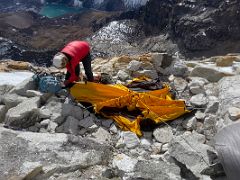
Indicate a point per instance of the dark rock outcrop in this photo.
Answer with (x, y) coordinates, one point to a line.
(196, 26)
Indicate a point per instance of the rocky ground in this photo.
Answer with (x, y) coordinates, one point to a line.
(50, 137)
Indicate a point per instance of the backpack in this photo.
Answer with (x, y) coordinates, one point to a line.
(49, 84)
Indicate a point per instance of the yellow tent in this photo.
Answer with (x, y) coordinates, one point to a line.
(156, 105)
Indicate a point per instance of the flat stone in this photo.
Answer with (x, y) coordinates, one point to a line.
(107, 123)
(200, 115)
(164, 148)
(19, 115)
(234, 113)
(213, 105)
(12, 100)
(71, 125)
(45, 122)
(190, 123)
(180, 84)
(156, 170)
(130, 139)
(30, 170)
(33, 93)
(211, 74)
(124, 163)
(199, 100)
(52, 127)
(102, 136)
(134, 65)
(86, 122)
(122, 75)
(163, 134)
(21, 89)
(189, 150)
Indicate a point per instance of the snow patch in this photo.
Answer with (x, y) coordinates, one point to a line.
(14, 78)
(115, 32)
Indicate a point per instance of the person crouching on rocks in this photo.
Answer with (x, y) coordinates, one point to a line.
(69, 57)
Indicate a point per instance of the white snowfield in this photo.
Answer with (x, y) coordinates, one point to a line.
(14, 78)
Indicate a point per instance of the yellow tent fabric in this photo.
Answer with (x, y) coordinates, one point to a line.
(156, 105)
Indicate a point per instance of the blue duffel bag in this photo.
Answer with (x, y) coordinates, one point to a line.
(49, 84)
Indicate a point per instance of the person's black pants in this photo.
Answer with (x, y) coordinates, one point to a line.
(87, 67)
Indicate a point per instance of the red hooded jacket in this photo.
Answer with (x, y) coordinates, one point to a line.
(78, 50)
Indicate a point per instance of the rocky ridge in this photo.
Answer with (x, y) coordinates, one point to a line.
(54, 137)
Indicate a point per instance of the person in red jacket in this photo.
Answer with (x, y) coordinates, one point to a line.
(70, 56)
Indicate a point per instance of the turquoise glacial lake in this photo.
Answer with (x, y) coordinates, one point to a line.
(55, 10)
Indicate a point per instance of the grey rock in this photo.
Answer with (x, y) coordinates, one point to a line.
(86, 113)
(145, 143)
(209, 126)
(234, 113)
(189, 150)
(200, 115)
(22, 152)
(113, 129)
(55, 106)
(180, 84)
(213, 105)
(71, 125)
(229, 94)
(43, 130)
(134, 65)
(179, 69)
(124, 163)
(211, 89)
(45, 122)
(86, 122)
(156, 147)
(21, 89)
(3, 111)
(211, 74)
(156, 170)
(33, 129)
(31, 169)
(148, 73)
(107, 123)
(71, 110)
(12, 100)
(122, 75)
(102, 136)
(33, 93)
(190, 123)
(163, 134)
(4, 89)
(198, 81)
(130, 139)
(164, 148)
(196, 89)
(161, 61)
(20, 115)
(44, 112)
(52, 127)
(199, 100)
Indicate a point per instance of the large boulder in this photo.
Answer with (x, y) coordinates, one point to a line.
(40, 155)
(190, 150)
(229, 94)
(156, 169)
(212, 74)
(20, 116)
(21, 89)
